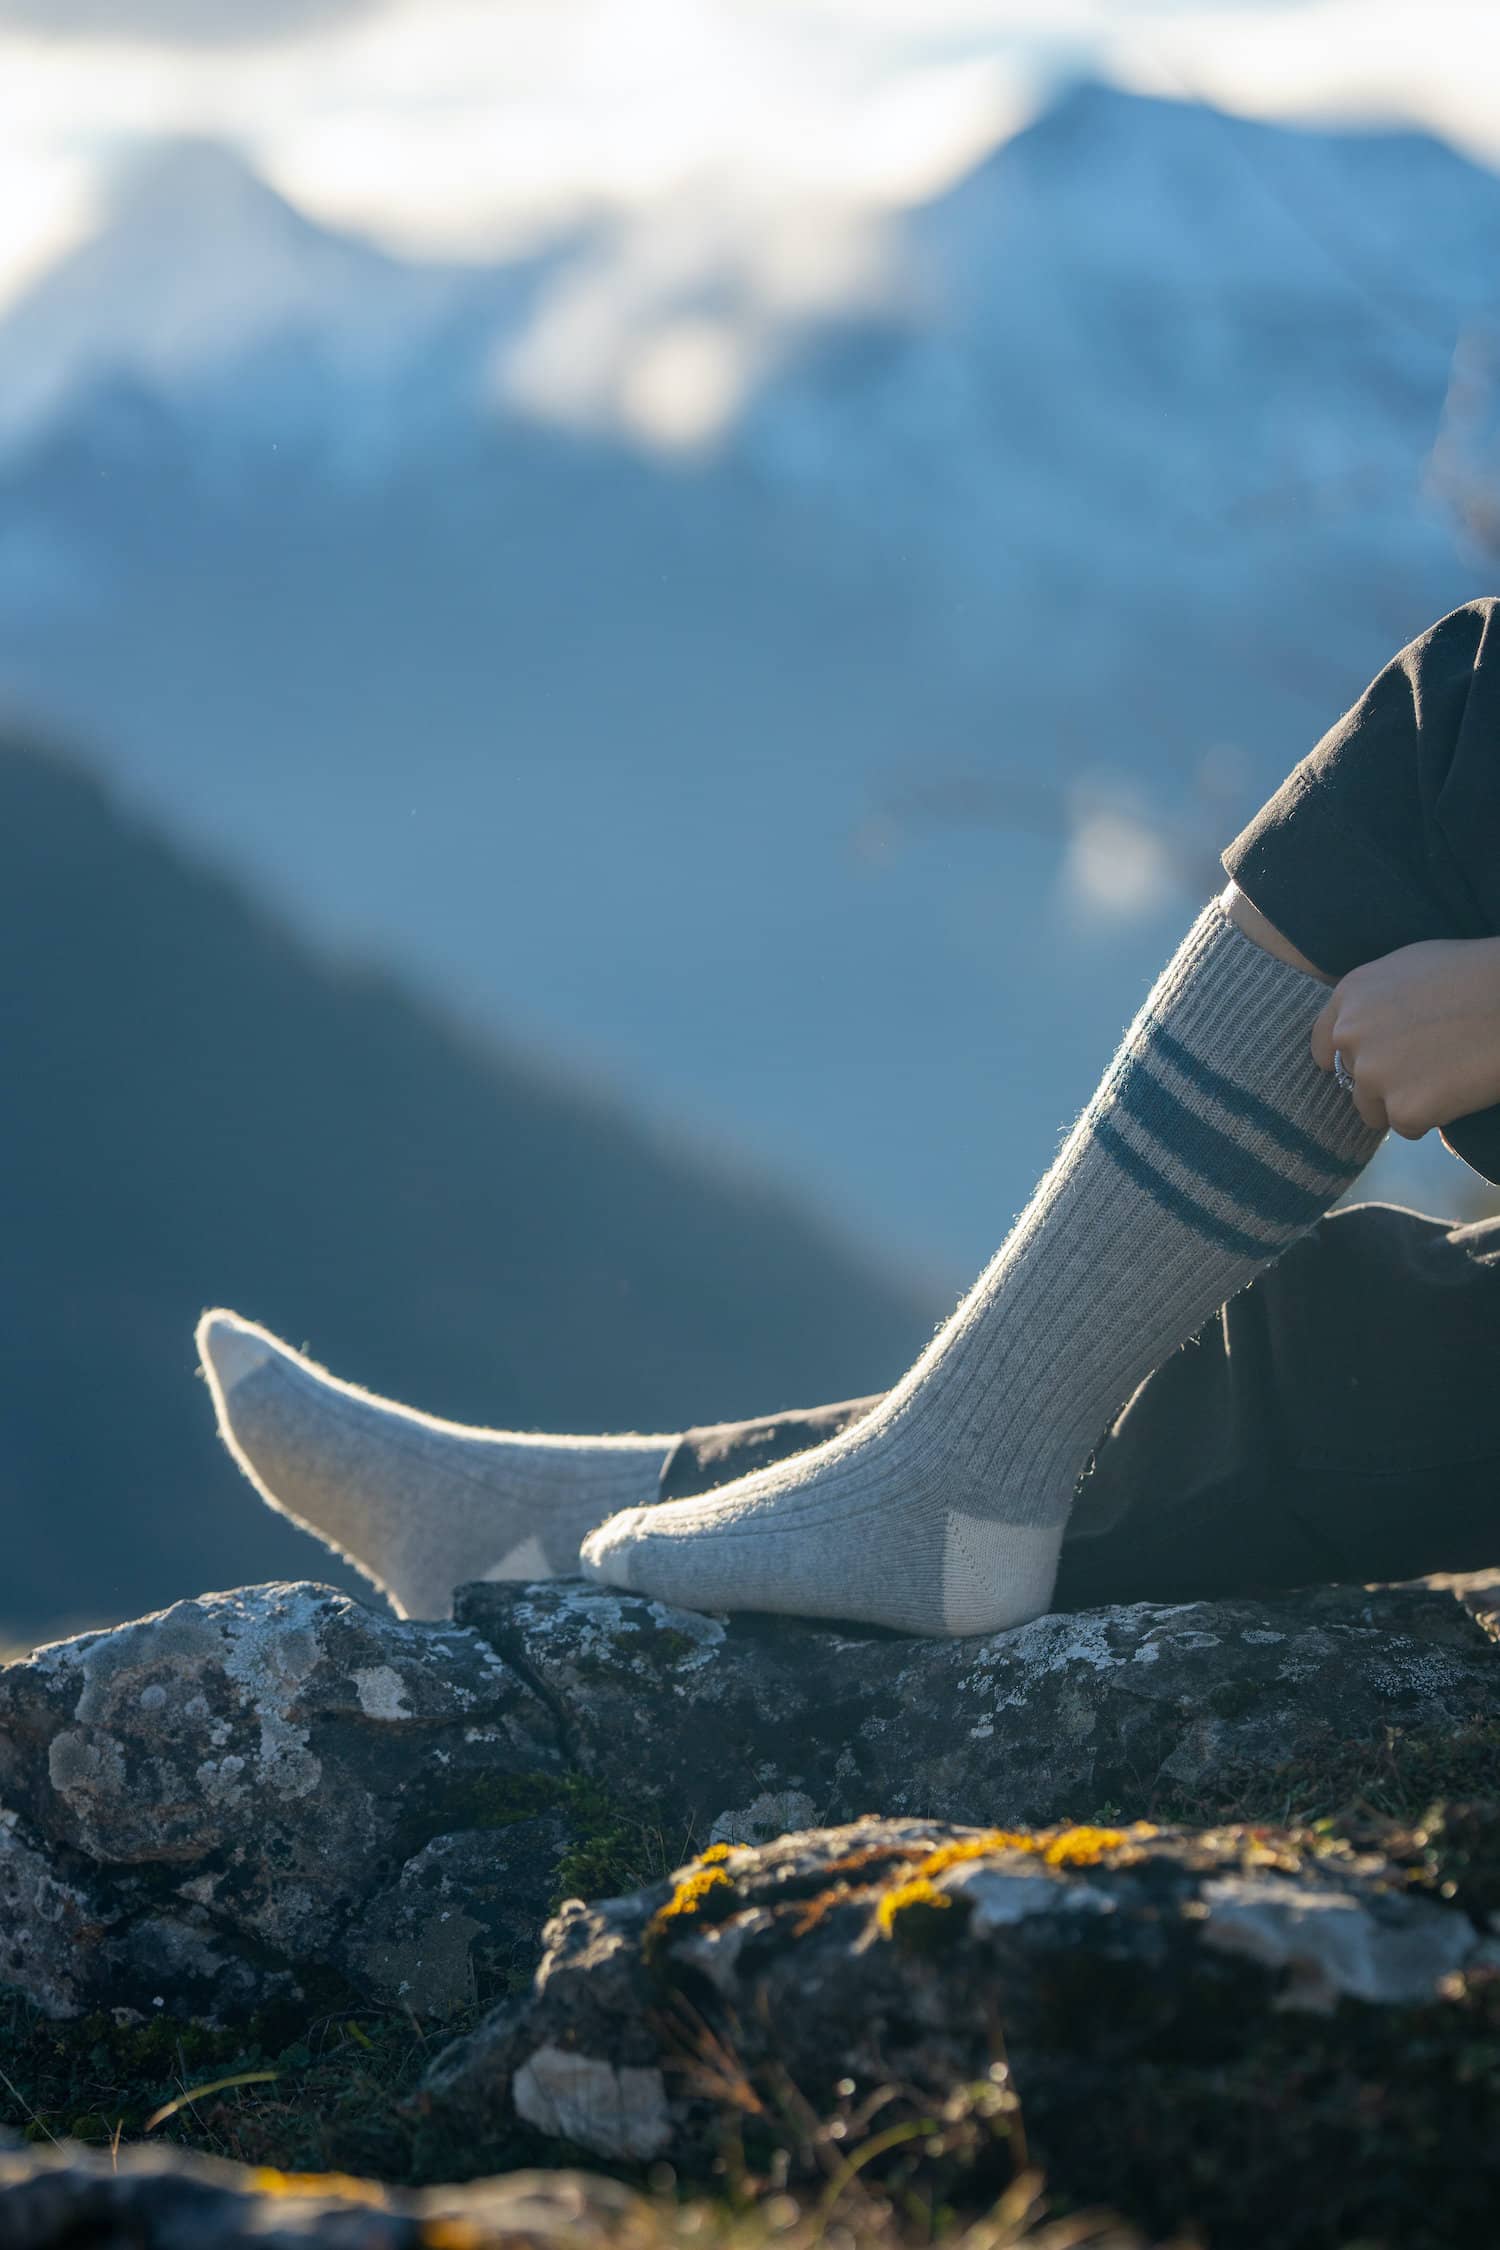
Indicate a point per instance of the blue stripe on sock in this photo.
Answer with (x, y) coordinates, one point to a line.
(1248, 1107)
(1184, 1207)
(1217, 1158)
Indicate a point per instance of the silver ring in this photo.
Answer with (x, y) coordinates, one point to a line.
(1344, 1076)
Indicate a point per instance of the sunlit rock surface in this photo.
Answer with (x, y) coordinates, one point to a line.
(740, 1728)
(250, 1795)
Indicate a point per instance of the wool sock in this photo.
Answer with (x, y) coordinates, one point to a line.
(417, 1504)
(1213, 1142)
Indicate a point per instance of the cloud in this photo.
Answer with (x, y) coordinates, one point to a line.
(1359, 60)
(468, 127)
(180, 23)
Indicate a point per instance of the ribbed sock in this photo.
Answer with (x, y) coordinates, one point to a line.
(417, 1504)
(1212, 1143)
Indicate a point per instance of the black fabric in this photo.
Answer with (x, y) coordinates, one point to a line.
(1335, 1421)
(1388, 832)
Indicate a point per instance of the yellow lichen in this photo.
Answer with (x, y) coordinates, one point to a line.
(693, 1890)
(1081, 1847)
(920, 1891)
(266, 2180)
(1058, 1848)
(1055, 1847)
(701, 1881)
(977, 1847)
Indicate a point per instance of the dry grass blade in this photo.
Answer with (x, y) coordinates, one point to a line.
(201, 2093)
(14, 2090)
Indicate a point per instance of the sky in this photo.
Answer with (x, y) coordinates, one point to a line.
(467, 127)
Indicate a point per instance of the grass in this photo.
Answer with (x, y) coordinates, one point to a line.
(337, 2106)
(328, 2093)
(332, 2101)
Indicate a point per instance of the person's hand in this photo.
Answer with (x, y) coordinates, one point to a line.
(1419, 1032)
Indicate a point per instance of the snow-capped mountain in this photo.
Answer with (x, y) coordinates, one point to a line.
(1198, 323)
(1103, 481)
(1193, 314)
(206, 289)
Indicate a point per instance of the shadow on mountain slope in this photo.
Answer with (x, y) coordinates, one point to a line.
(199, 1109)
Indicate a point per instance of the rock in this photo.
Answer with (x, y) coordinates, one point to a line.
(48, 1926)
(459, 1923)
(263, 1796)
(279, 1805)
(218, 1790)
(162, 2199)
(1132, 1989)
(742, 1727)
(618, 2109)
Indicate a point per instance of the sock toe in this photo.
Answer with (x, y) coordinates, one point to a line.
(232, 1349)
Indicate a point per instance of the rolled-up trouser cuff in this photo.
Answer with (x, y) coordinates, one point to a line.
(1323, 883)
(1326, 886)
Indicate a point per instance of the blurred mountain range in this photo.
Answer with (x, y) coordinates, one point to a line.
(819, 715)
(197, 1109)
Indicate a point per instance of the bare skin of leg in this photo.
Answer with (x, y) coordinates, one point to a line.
(1265, 934)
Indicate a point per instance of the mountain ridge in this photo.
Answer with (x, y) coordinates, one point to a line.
(203, 196)
(198, 1108)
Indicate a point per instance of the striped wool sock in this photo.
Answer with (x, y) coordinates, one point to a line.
(1212, 1143)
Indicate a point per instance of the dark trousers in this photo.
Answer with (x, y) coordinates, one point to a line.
(1340, 1418)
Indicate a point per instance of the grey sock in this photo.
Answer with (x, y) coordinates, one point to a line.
(417, 1504)
(1213, 1142)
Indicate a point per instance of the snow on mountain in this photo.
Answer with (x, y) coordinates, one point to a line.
(1190, 312)
(204, 285)
(1155, 318)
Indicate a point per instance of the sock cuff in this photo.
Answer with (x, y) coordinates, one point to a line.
(1219, 964)
(1215, 1108)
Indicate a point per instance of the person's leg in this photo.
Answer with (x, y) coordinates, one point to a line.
(421, 1505)
(1333, 1423)
(417, 1504)
(1389, 832)
(1213, 1142)
(1352, 855)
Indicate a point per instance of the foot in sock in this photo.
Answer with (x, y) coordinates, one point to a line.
(417, 1504)
(1213, 1142)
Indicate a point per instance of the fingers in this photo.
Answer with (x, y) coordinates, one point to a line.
(1372, 1109)
(1332, 1036)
